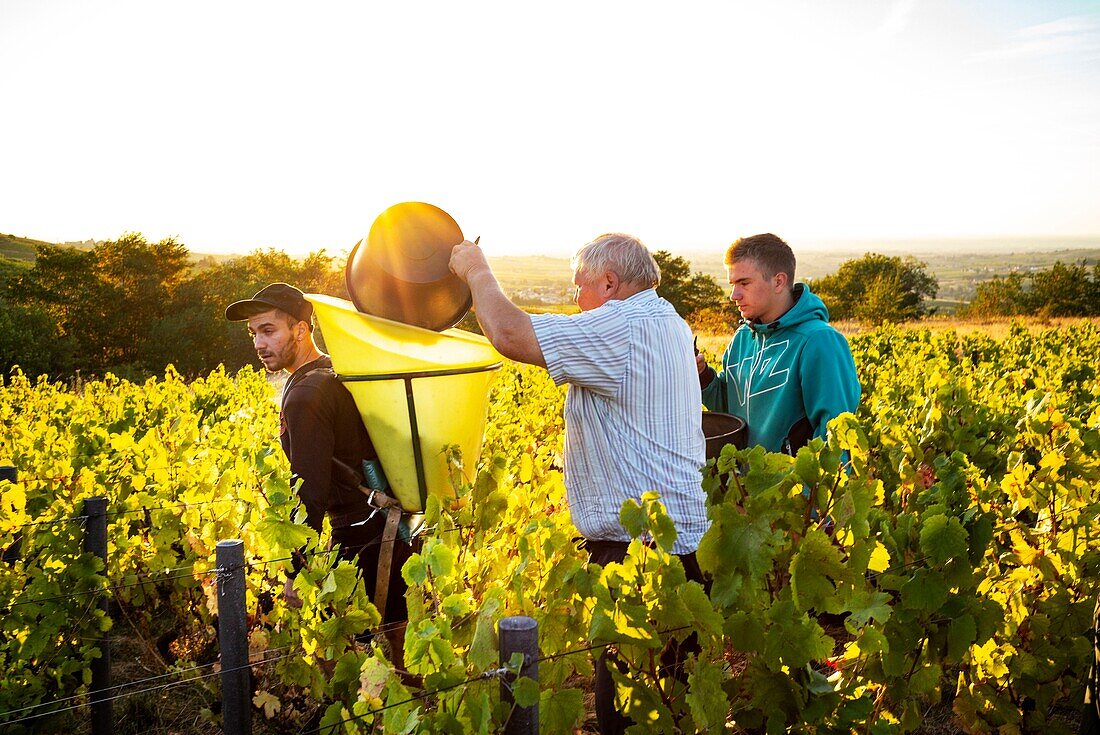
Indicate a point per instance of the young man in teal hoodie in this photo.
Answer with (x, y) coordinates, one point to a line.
(786, 372)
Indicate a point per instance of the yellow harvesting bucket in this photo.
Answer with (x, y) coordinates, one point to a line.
(417, 391)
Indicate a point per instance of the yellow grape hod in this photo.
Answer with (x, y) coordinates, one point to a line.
(418, 391)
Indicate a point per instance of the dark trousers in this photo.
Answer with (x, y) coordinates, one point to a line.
(611, 720)
(362, 544)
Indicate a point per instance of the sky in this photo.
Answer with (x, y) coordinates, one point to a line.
(240, 125)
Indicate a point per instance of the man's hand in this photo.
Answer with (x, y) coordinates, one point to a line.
(700, 363)
(467, 258)
(290, 595)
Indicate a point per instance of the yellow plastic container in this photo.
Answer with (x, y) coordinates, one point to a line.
(410, 382)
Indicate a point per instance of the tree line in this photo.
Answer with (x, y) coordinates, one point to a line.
(1061, 290)
(132, 307)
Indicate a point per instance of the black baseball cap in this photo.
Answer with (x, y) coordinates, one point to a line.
(280, 296)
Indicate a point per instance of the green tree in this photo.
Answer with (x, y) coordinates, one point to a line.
(878, 288)
(688, 292)
(62, 284)
(999, 296)
(1062, 290)
(198, 319)
(133, 307)
(107, 299)
(31, 340)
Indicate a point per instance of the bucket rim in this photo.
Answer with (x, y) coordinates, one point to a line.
(414, 374)
(345, 305)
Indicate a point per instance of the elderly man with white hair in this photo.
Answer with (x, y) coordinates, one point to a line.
(633, 407)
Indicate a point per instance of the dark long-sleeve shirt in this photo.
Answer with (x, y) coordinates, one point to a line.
(318, 422)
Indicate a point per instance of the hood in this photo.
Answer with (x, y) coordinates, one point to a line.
(807, 307)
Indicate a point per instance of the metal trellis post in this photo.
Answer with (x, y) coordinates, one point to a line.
(95, 542)
(520, 634)
(233, 639)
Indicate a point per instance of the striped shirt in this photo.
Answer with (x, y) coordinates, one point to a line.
(632, 413)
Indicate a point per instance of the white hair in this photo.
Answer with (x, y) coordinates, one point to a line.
(623, 255)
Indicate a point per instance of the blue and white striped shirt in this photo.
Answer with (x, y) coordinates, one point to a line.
(632, 413)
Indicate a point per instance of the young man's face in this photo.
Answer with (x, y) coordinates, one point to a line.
(760, 299)
(276, 339)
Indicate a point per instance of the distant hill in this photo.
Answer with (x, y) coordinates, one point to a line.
(19, 248)
(22, 248)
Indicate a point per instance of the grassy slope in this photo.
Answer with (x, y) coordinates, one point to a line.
(19, 248)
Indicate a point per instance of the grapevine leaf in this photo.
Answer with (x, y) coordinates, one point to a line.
(329, 585)
(347, 669)
(415, 570)
(818, 683)
(440, 559)
(560, 710)
(401, 721)
(734, 547)
(961, 633)
(526, 468)
(705, 698)
(706, 620)
(632, 518)
(334, 714)
(880, 558)
(455, 605)
(924, 591)
(793, 639)
(943, 538)
(866, 606)
(374, 675)
(284, 536)
(814, 571)
(746, 632)
(479, 709)
(342, 627)
(483, 647)
(981, 534)
(871, 640)
(345, 575)
(525, 690)
(925, 679)
(776, 695)
(807, 467)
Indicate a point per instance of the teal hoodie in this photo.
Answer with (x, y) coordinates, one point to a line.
(788, 378)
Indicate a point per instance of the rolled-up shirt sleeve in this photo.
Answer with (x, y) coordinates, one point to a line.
(590, 349)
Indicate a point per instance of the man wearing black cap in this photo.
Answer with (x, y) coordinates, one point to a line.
(323, 437)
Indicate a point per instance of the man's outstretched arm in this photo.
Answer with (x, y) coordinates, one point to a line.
(506, 325)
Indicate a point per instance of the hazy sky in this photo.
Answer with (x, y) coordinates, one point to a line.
(236, 125)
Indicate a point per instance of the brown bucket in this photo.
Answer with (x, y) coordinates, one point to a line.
(401, 272)
(721, 429)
